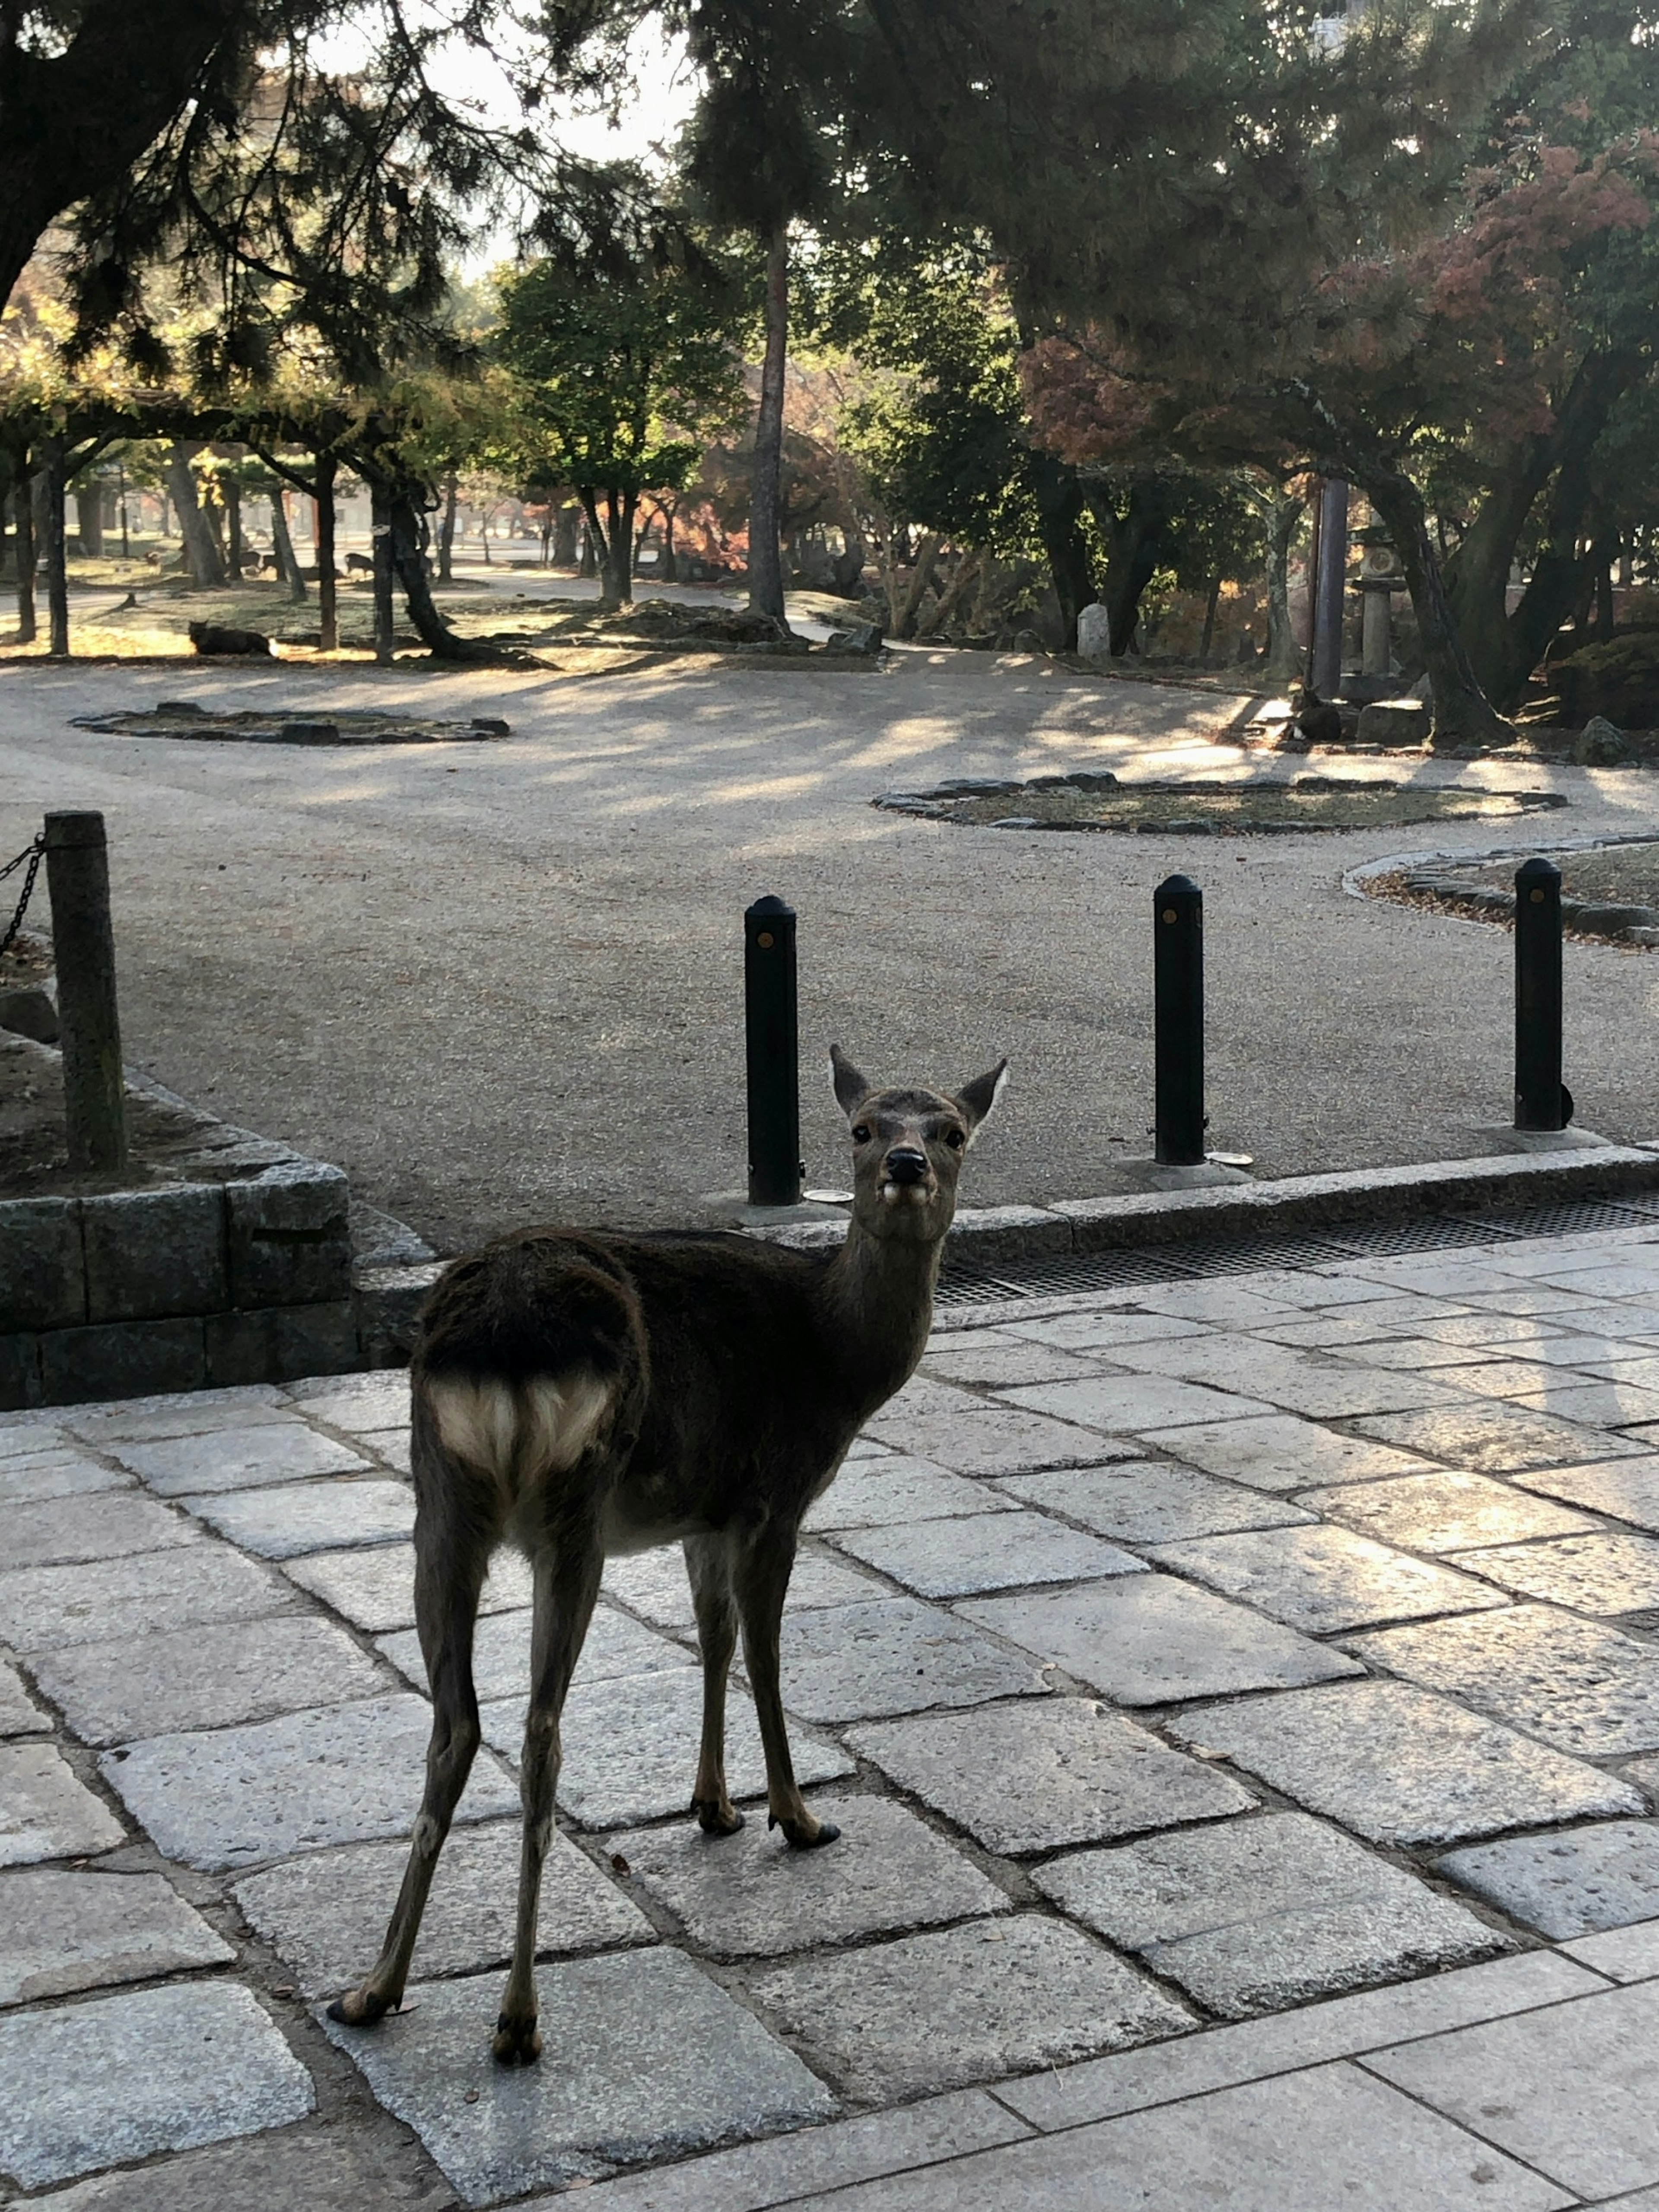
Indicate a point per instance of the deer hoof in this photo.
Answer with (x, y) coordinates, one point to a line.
(714, 1818)
(359, 2008)
(517, 2042)
(803, 1838)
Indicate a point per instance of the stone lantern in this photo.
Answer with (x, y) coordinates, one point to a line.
(1379, 578)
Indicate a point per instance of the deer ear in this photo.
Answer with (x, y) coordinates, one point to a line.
(850, 1088)
(978, 1098)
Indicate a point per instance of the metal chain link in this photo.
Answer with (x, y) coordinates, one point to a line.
(32, 854)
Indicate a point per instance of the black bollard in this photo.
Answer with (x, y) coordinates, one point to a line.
(1178, 1004)
(83, 946)
(1542, 1101)
(773, 1054)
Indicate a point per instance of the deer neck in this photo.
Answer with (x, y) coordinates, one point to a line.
(879, 1296)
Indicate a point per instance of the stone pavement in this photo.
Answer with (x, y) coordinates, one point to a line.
(1239, 1698)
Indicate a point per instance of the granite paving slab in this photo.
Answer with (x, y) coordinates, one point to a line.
(1129, 1405)
(994, 1440)
(501, 1652)
(205, 1676)
(374, 1587)
(352, 1402)
(996, 1359)
(44, 1608)
(1522, 1380)
(1602, 1573)
(1496, 1437)
(18, 1714)
(1571, 1883)
(1489, 1330)
(28, 1435)
(110, 1525)
(1035, 1776)
(1001, 1551)
(1146, 1501)
(326, 1912)
(896, 1655)
(231, 1797)
(879, 1493)
(1309, 1382)
(1582, 1687)
(1224, 1304)
(1399, 1767)
(46, 1813)
(176, 1414)
(1409, 1353)
(1570, 2089)
(966, 2004)
(654, 1584)
(1152, 1640)
(1622, 1954)
(392, 1447)
(1625, 1489)
(645, 2057)
(1603, 1405)
(123, 2077)
(287, 1519)
(630, 1747)
(1091, 1331)
(28, 1479)
(1279, 1452)
(62, 1932)
(1446, 1512)
(752, 1895)
(1332, 2137)
(238, 1459)
(1259, 1915)
(299, 2168)
(1322, 1579)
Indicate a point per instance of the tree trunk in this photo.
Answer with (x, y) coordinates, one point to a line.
(1060, 518)
(446, 531)
(287, 567)
(232, 494)
(56, 548)
(328, 611)
(1134, 540)
(1604, 620)
(89, 518)
(380, 541)
(765, 562)
(668, 567)
(207, 570)
(28, 628)
(589, 563)
(408, 560)
(1209, 623)
(904, 612)
(1283, 655)
(565, 524)
(1463, 715)
(968, 568)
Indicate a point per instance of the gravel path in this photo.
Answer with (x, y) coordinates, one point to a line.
(501, 981)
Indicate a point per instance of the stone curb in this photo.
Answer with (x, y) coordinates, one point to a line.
(1614, 924)
(1001, 1234)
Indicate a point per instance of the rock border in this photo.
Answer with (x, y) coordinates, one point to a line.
(1592, 918)
(935, 805)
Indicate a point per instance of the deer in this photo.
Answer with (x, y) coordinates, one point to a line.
(582, 1392)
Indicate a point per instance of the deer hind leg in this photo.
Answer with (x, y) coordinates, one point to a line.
(567, 1582)
(708, 1563)
(763, 1582)
(451, 1559)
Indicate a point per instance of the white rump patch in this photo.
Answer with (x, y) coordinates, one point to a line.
(517, 1433)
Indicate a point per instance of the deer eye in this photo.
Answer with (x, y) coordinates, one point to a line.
(955, 1139)
(861, 1135)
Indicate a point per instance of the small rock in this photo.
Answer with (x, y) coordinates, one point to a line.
(1394, 722)
(1094, 634)
(1092, 778)
(1016, 822)
(310, 733)
(179, 707)
(491, 726)
(1599, 745)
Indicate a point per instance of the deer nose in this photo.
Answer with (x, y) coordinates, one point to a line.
(904, 1165)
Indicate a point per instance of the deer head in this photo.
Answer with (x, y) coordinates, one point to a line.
(907, 1149)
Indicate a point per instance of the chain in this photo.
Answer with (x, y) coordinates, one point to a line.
(33, 855)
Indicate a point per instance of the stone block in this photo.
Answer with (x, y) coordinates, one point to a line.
(1281, 1453)
(48, 1608)
(389, 1302)
(1497, 1438)
(1399, 1766)
(997, 1359)
(1323, 1579)
(204, 1677)
(45, 1813)
(752, 1895)
(1151, 1640)
(152, 1253)
(653, 2061)
(987, 1552)
(879, 1493)
(895, 1655)
(1446, 1512)
(121, 2078)
(374, 1588)
(614, 1645)
(392, 1447)
(63, 1474)
(233, 1797)
(991, 1236)
(121, 1360)
(1144, 1501)
(356, 1402)
(18, 1714)
(1586, 1689)
(969, 2004)
(270, 1449)
(288, 1519)
(1394, 722)
(630, 1747)
(1596, 1573)
(140, 1420)
(1570, 1884)
(62, 1531)
(275, 1342)
(325, 1912)
(1259, 1915)
(1130, 1404)
(43, 1282)
(289, 1243)
(991, 1440)
(1036, 1776)
(655, 1583)
(62, 1932)
(1626, 1489)
(19, 1373)
(292, 2169)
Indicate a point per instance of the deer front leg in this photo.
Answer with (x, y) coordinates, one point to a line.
(566, 1584)
(763, 1582)
(708, 1563)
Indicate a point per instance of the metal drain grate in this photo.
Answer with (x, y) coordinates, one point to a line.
(1571, 1219)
